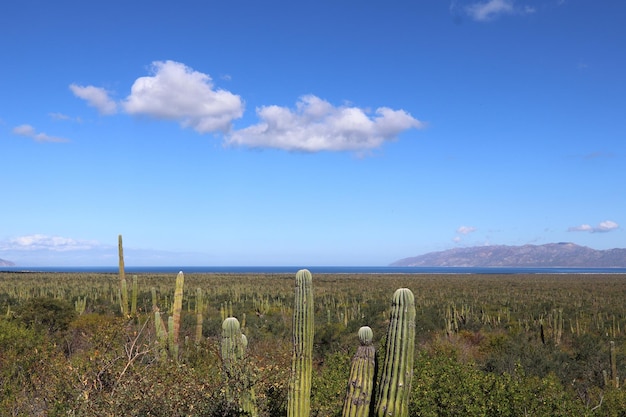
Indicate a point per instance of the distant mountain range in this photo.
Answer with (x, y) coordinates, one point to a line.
(564, 255)
(6, 263)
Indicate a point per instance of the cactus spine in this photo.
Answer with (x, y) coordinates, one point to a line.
(299, 395)
(392, 397)
(361, 382)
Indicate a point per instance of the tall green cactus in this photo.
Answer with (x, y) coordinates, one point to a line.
(361, 382)
(392, 397)
(299, 395)
(123, 285)
(178, 305)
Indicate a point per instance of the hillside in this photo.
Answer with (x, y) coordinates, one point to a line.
(6, 263)
(550, 255)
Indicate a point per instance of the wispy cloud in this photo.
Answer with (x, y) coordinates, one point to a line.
(492, 9)
(30, 132)
(63, 117)
(603, 227)
(177, 92)
(316, 125)
(464, 230)
(95, 97)
(45, 242)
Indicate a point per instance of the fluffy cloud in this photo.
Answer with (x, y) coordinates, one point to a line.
(96, 97)
(30, 132)
(44, 242)
(177, 92)
(603, 227)
(492, 9)
(464, 230)
(316, 125)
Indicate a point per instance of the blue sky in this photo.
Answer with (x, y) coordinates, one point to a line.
(308, 133)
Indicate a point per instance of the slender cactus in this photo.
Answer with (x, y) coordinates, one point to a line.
(613, 363)
(199, 317)
(123, 285)
(133, 297)
(299, 394)
(392, 397)
(361, 382)
(178, 305)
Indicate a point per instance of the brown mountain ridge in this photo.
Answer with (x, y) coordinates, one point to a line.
(564, 255)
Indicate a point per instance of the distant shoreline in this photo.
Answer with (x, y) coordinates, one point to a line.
(313, 269)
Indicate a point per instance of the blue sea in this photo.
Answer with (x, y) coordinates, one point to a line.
(314, 269)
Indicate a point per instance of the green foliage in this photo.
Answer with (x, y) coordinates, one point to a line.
(50, 314)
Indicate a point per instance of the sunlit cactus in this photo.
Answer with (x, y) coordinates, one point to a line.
(361, 382)
(299, 394)
(392, 397)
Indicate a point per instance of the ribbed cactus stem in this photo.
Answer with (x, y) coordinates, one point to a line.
(361, 382)
(392, 398)
(232, 344)
(199, 317)
(299, 394)
(173, 346)
(155, 306)
(178, 304)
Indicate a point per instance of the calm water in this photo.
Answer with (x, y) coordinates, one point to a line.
(318, 269)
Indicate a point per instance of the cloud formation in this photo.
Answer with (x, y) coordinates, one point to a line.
(603, 227)
(177, 92)
(95, 97)
(492, 9)
(30, 132)
(464, 230)
(316, 125)
(45, 242)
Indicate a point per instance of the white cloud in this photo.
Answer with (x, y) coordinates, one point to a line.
(30, 132)
(492, 9)
(96, 97)
(316, 125)
(464, 230)
(177, 92)
(603, 227)
(45, 242)
(64, 117)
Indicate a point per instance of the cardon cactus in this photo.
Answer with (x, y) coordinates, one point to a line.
(392, 397)
(178, 304)
(233, 350)
(123, 285)
(361, 382)
(299, 394)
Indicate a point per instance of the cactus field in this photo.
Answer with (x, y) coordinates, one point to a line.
(78, 344)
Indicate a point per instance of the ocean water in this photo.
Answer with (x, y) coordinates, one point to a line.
(313, 269)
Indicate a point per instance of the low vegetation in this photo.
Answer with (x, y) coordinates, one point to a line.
(485, 345)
